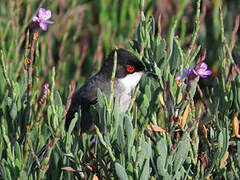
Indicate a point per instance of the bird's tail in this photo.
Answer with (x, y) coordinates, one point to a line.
(41, 154)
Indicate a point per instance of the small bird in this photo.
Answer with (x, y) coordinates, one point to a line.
(128, 73)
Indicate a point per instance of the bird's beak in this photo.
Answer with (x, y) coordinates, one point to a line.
(149, 73)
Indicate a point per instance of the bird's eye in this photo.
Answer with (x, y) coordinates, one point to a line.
(130, 69)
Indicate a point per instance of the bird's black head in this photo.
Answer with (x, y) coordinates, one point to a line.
(127, 63)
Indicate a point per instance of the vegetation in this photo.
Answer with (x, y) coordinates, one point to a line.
(183, 126)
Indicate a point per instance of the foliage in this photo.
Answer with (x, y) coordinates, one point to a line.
(172, 130)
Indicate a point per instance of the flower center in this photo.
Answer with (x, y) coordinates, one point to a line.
(42, 19)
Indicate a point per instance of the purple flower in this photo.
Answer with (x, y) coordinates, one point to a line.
(202, 70)
(95, 139)
(187, 74)
(42, 19)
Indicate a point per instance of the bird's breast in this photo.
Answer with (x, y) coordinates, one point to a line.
(123, 89)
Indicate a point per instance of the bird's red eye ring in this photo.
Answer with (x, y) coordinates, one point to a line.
(130, 69)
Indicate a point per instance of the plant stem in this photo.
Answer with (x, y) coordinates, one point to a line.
(195, 31)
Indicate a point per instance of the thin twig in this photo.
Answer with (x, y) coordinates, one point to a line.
(5, 75)
(224, 41)
(104, 143)
(234, 33)
(195, 32)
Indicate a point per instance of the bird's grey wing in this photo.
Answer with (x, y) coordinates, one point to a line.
(84, 97)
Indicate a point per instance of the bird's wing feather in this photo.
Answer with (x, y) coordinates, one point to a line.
(85, 97)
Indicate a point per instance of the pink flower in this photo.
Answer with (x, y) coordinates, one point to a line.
(46, 89)
(202, 70)
(42, 18)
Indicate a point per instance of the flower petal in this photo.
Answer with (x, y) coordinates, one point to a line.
(180, 77)
(208, 72)
(44, 14)
(43, 26)
(195, 72)
(49, 22)
(35, 19)
(190, 71)
(48, 14)
(41, 13)
(94, 140)
(185, 71)
(203, 66)
(205, 74)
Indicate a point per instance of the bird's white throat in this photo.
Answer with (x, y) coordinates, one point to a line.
(130, 81)
(124, 87)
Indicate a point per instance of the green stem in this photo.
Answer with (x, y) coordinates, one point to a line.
(5, 75)
(105, 144)
(192, 106)
(110, 105)
(224, 41)
(179, 49)
(133, 98)
(195, 31)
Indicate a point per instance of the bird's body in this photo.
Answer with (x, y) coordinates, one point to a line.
(129, 71)
(128, 74)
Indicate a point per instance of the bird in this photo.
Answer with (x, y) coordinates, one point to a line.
(129, 71)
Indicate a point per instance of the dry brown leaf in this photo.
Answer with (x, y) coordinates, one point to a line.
(235, 124)
(204, 131)
(154, 128)
(95, 177)
(68, 168)
(224, 158)
(185, 115)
